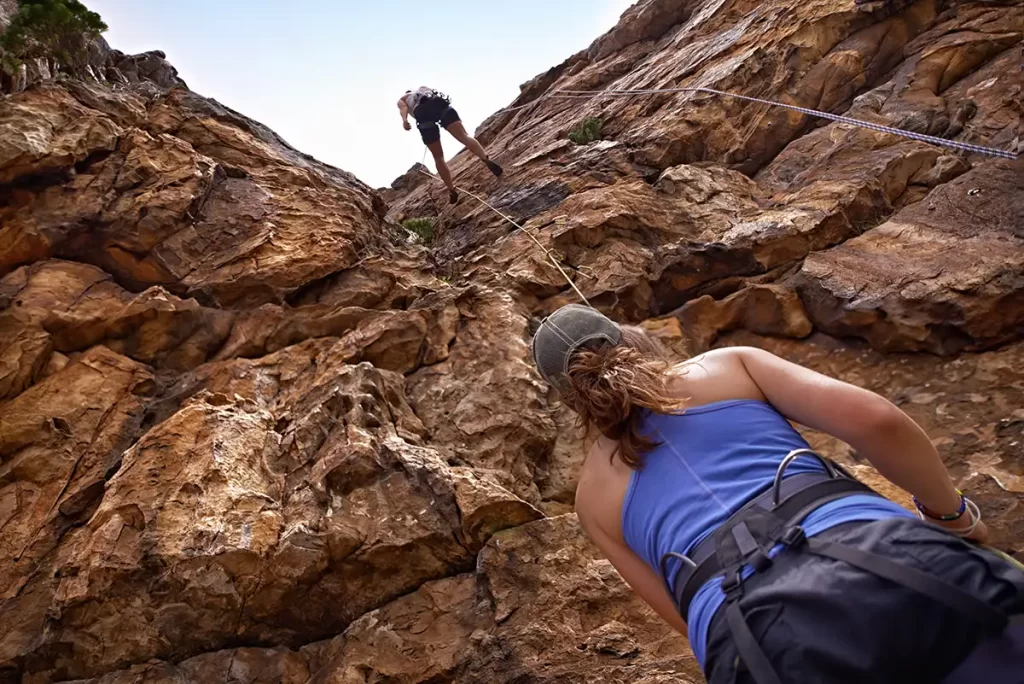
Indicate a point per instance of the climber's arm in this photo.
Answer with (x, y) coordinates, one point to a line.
(887, 437)
(644, 581)
(637, 574)
(403, 109)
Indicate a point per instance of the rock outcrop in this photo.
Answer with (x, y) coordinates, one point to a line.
(250, 432)
(101, 64)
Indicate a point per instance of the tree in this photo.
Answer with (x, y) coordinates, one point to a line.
(58, 31)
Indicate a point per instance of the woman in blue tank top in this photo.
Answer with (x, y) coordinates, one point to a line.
(778, 572)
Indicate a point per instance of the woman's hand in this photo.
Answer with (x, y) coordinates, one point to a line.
(978, 534)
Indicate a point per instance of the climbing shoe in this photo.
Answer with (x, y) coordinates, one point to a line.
(453, 197)
(495, 169)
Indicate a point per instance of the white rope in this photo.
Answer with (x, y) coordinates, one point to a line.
(588, 94)
(530, 235)
(932, 139)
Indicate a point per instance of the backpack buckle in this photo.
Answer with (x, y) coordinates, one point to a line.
(749, 549)
(760, 561)
(732, 585)
(793, 537)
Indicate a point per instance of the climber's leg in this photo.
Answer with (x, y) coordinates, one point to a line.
(458, 131)
(442, 169)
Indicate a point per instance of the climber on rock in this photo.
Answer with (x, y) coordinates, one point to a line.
(779, 565)
(430, 108)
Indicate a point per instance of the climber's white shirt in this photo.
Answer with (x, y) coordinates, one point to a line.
(414, 98)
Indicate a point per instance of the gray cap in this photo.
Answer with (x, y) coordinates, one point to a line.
(565, 331)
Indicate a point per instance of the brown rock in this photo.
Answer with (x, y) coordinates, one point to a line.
(642, 22)
(558, 474)
(214, 518)
(403, 341)
(612, 638)
(252, 494)
(251, 665)
(540, 569)
(46, 131)
(540, 576)
(824, 188)
(395, 340)
(426, 635)
(236, 552)
(247, 433)
(153, 208)
(417, 176)
(24, 355)
(486, 507)
(270, 328)
(484, 405)
(79, 306)
(544, 608)
(393, 280)
(942, 275)
(669, 332)
(59, 442)
(763, 309)
(139, 188)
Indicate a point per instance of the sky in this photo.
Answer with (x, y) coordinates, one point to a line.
(325, 75)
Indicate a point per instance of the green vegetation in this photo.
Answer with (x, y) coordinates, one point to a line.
(423, 227)
(586, 131)
(58, 31)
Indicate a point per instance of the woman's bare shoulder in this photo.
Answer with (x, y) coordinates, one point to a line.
(730, 354)
(716, 375)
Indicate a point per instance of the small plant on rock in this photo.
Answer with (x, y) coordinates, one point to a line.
(586, 131)
(422, 227)
(58, 31)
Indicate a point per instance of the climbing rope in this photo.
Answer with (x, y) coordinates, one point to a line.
(932, 139)
(1005, 556)
(528, 234)
(588, 94)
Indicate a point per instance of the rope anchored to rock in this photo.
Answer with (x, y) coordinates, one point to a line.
(913, 135)
(589, 94)
(530, 235)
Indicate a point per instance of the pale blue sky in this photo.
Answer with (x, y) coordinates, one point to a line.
(325, 75)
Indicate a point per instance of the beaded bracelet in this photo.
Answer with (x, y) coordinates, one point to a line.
(944, 518)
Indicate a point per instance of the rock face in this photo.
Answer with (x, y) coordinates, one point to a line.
(101, 64)
(248, 432)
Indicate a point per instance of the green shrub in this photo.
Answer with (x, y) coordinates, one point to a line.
(423, 227)
(586, 131)
(58, 31)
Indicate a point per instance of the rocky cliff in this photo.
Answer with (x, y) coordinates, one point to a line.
(249, 432)
(102, 64)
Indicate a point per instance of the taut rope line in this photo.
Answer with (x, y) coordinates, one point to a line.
(931, 139)
(587, 94)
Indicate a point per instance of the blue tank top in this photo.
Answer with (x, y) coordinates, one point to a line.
(711, 461)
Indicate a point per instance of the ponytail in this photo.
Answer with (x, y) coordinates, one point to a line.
(613, 387)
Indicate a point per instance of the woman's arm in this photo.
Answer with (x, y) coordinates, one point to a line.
(877, 429)
(637, 574)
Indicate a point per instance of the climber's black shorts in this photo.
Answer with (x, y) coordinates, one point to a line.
(821, 620)
(431, 112)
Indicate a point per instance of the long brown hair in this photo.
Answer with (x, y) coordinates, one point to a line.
(611, 388)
